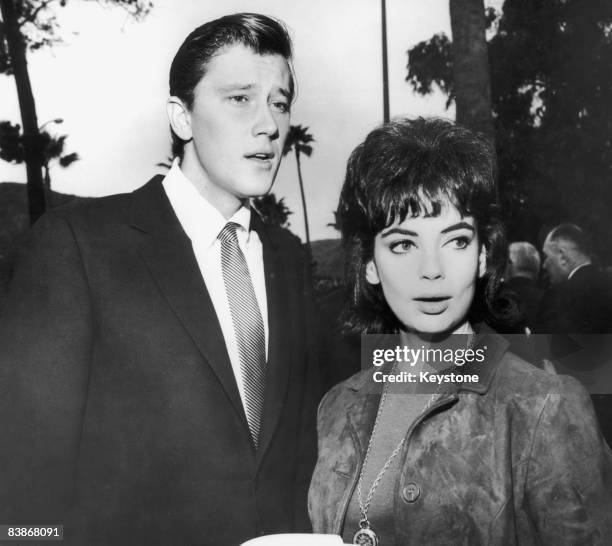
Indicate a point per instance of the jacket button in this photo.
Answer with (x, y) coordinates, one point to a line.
(411, 492)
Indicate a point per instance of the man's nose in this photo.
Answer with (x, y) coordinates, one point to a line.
(431, 266)
(265, 122)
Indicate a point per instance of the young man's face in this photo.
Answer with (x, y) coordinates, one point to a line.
(238, 124)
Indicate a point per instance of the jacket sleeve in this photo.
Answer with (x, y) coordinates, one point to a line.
(569, 475)
(45, 338)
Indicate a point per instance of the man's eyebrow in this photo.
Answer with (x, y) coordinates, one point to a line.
(285, 93)
(236, 87)
(458, 225)
(401, 231)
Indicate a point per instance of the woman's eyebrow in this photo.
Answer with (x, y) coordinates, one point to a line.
(401, 232)
(458, 225)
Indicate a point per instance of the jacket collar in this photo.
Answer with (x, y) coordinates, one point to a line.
(494, 346)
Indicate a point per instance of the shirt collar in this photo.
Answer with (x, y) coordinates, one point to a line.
(573, 271)
(201, 221)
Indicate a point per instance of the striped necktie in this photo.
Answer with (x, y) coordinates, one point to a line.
(248, 326)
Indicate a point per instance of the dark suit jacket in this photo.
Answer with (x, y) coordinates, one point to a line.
(576, 313)
(582, 304)
(119, 411)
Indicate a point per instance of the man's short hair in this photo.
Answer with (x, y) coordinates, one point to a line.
(525, 259)
(403, 169)
(572, 234)
(264, 35)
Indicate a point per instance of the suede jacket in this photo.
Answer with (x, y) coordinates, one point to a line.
(516, 458)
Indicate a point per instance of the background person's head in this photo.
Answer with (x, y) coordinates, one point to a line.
(523, 261)
(565, 248)
(231, 87)
(420, 175)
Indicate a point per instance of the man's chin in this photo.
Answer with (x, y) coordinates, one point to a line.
(258, 190)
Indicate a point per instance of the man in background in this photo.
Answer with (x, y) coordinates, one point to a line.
(577, 313)
(156, 361)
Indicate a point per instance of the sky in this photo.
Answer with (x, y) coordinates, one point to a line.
(107, 81)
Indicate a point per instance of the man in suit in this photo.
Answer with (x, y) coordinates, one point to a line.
(579, 289)
(577, 313)
(156, 360)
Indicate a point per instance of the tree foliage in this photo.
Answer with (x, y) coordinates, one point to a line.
(27, 25)
(49, 147)
(551, 80)
(39, 26)
(298, 139)
(272, 211)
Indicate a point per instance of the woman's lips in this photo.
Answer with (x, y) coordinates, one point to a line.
(433, 305)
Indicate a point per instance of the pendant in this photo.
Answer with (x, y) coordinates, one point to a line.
(365, 536)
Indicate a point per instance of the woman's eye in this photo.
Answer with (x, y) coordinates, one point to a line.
(401, 247)
(460, 242)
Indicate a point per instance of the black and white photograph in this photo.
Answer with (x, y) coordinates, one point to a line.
(305, 273)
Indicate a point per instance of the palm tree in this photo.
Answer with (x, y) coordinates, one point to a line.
(272, 211)
(298, 140)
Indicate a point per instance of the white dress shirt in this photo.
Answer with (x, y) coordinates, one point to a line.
(573, 271)
(202, 223)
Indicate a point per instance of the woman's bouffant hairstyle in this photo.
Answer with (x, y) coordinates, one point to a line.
(406, 168)
(262, 34)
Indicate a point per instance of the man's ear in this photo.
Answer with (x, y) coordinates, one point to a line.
(371, 273)
(179, 117)
(482, 261)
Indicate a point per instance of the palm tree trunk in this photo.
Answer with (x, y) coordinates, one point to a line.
(471, 66)
(17, 54)
(299, 170)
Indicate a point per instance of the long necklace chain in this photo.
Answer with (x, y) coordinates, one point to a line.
(364, 506)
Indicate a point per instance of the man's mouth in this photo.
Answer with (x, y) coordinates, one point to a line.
(261, 156)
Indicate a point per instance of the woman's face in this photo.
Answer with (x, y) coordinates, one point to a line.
(428, 267)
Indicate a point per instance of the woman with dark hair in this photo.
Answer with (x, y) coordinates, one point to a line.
(483, 448)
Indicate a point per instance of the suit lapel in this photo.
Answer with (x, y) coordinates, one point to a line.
(279, 293)
(169, 256)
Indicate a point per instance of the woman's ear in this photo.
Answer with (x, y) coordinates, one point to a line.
(482, 262)
(371, 273)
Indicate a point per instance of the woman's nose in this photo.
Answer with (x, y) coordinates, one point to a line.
(431, 265)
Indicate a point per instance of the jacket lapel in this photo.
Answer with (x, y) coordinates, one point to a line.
(168, 253)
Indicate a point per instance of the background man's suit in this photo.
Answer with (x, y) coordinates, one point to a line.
(119, 410)
(576, 312)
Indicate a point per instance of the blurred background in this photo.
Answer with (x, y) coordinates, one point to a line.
(83, 85)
